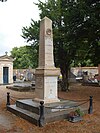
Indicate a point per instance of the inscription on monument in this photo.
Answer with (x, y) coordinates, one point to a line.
(50, 83)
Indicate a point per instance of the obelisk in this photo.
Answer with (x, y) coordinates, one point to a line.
(46, 73)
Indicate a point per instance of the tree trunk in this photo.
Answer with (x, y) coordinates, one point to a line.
(65, 81)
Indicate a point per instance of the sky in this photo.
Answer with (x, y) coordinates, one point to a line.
(15, 14)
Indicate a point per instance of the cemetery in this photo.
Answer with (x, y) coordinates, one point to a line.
(57, 94)
(47, 107)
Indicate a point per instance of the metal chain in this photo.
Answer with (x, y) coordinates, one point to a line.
(68, 107)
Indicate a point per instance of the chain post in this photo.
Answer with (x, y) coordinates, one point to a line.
(8, 98)
(41, 118)
(90, 110)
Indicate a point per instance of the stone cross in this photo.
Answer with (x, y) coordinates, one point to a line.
(46, 73)
(6, 52)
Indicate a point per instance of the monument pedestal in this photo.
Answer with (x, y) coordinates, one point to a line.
(46, 85)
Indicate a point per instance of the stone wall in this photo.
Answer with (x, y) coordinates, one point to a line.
(91, 71)
(74, 71)
(28, 74)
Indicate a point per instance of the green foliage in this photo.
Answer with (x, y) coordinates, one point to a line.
(76, 31)
(24, 57)
(79, 112)
(89, 32)
(31, 33)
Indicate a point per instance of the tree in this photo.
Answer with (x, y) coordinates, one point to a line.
(72, 38)
(24, 57)
(63, 51)
(89, 33)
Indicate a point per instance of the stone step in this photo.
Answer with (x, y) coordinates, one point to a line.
(28, 104)
(31, 117)
(33, 106)
(29, 110)
(34, 118)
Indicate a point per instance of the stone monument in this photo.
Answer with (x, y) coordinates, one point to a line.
(46, 86)
(46, 73)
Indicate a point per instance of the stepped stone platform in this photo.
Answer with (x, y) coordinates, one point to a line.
(30, 110)
(22, 87)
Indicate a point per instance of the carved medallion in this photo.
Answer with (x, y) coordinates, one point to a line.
(48, 31)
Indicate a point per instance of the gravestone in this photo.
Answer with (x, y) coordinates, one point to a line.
(46, 73)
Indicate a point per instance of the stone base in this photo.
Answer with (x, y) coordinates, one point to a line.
(46, 87)
(30, 110)
(46, 101)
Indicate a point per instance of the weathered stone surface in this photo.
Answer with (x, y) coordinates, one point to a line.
(46, 44)
(46, 73)
(30, 110)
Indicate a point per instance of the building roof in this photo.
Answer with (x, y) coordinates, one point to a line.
(6, 58)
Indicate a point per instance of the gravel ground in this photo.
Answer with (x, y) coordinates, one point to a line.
(10, 123)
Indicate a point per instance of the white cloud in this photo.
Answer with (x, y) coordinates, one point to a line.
(14, 14)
